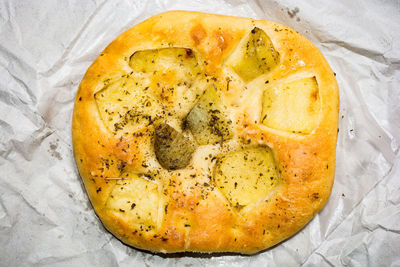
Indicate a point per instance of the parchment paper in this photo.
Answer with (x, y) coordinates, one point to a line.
(45, 49)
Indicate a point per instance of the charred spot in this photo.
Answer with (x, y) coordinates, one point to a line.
(121, 165)
(166, 209)
(315, 196)
(189, 52)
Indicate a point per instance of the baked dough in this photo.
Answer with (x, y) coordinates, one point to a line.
(207, 133)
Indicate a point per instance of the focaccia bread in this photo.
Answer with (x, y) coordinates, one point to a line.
(207, 133)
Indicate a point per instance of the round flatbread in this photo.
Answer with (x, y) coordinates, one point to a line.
(207, 133)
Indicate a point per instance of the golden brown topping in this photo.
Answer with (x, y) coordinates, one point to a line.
(198, 34)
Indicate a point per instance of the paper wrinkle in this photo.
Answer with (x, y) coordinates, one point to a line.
(64, 57)
(45, 49)
(363, 228)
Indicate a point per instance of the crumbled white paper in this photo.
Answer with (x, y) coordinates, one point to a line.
(45, 49)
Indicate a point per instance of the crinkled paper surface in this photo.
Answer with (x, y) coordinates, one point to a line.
(45, 49)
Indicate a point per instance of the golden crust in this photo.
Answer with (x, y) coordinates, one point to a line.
(193, 215)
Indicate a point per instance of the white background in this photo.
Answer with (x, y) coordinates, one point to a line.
(45, 49)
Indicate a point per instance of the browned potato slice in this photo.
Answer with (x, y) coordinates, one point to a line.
(137, 199)
(292, 106)
(207, 120)
(164, 59)
(172, 74)
(173, 149)
(254, 57)
(247, 175)
(124, 106)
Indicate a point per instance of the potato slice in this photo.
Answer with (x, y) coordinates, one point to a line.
(173, 150)
(247, 175)
(255, 56)
(137, 199)
(292, 106)
(207, 120)
(124, 105)
(164, 59)
(172, 72)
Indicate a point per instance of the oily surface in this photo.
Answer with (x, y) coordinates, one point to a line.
(257, 106)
